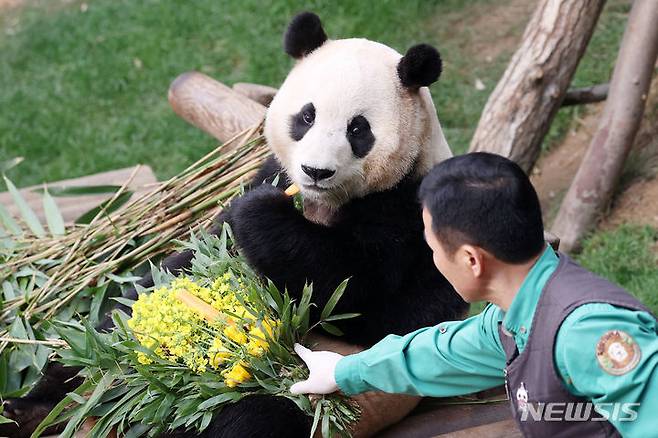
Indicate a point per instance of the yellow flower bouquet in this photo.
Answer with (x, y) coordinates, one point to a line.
(192, 345)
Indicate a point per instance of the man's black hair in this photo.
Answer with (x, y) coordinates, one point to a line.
(484, 200)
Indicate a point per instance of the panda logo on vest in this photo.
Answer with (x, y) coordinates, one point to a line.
(522, 398)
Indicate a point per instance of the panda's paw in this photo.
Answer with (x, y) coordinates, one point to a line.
(259, 207)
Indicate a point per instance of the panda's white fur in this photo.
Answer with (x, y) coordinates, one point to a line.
(345, 78)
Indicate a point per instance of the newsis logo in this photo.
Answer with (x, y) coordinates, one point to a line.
(581, 411)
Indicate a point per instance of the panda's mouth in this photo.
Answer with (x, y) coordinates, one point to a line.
(316, 188)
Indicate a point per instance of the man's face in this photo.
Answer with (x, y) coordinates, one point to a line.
(457, 268)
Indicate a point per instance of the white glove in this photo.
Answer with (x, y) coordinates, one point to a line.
(321, 366)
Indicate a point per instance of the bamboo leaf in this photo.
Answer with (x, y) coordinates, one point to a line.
(107, 207)
(99, 298)
(123, 278)
(8, 290)
(205, 421)
(53, 215)
(137, 430)
(80, 190)
(8, 164)
(331, 329)
(77, 398)
(316, 418)
(217, 400)
(5, 420)
(342, 316)
(333, 300)
(8, 222)
(59, 408)
(100, 388)
(27, 213)
(325, 424)
(125, 301)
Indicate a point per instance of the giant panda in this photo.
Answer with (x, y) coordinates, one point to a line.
(354, 127)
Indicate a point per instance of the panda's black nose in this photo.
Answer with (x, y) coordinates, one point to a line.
(318, 174)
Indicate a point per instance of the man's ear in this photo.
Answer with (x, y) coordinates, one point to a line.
(473, 258)
(420, 67)
(304, 34)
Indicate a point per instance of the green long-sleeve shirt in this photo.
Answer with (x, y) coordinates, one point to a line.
(461, 357)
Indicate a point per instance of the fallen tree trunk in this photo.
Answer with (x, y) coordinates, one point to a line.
(212, 106)
(579, 96)
(519, 112)
(593, 185)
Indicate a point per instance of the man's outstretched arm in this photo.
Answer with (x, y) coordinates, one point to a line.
(452, 358)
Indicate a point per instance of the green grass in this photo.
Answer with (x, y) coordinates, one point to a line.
(74, 99)
(626, 256)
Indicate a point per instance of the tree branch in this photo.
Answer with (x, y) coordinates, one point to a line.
(599, 171)
(579, 96)
(519, 112)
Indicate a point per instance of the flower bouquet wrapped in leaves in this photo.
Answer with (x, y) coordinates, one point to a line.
(193, 345)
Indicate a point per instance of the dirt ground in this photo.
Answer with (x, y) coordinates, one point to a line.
(7, 4)
(554, 171)
(637, 199)
(488, 31)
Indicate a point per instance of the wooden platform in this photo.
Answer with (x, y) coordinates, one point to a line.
(73, 207)
(458, 418)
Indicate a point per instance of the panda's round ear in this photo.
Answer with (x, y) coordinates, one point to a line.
(304, 34)
(420, 66)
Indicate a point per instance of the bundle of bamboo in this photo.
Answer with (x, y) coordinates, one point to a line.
(46, 277)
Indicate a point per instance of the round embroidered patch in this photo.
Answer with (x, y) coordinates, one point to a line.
(617, 352)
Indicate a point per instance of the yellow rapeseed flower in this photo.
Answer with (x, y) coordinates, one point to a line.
(236, 374)
(258, 342)
(169, 322)
(235, 334)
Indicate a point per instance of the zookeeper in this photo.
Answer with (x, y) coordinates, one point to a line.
(577, 354)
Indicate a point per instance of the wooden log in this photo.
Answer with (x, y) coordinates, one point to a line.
(212, 106)
(580, 96)
(256, 92)
(519, 111)
(594, 183)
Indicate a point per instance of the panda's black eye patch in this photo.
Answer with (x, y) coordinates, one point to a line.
(360, 136)
(301, 122)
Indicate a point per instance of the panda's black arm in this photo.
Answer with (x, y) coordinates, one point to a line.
(281, 244)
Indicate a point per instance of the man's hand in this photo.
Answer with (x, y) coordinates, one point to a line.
(321, 366)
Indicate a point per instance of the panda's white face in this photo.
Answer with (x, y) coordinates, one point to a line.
(343, 126)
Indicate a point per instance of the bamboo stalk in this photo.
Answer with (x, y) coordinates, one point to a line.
(48, 342)
(292, 190)
(204, 309)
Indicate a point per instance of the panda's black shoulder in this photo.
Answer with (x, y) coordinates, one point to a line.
(398, 205)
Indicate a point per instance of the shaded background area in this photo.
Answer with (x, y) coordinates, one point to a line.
(83, 89)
